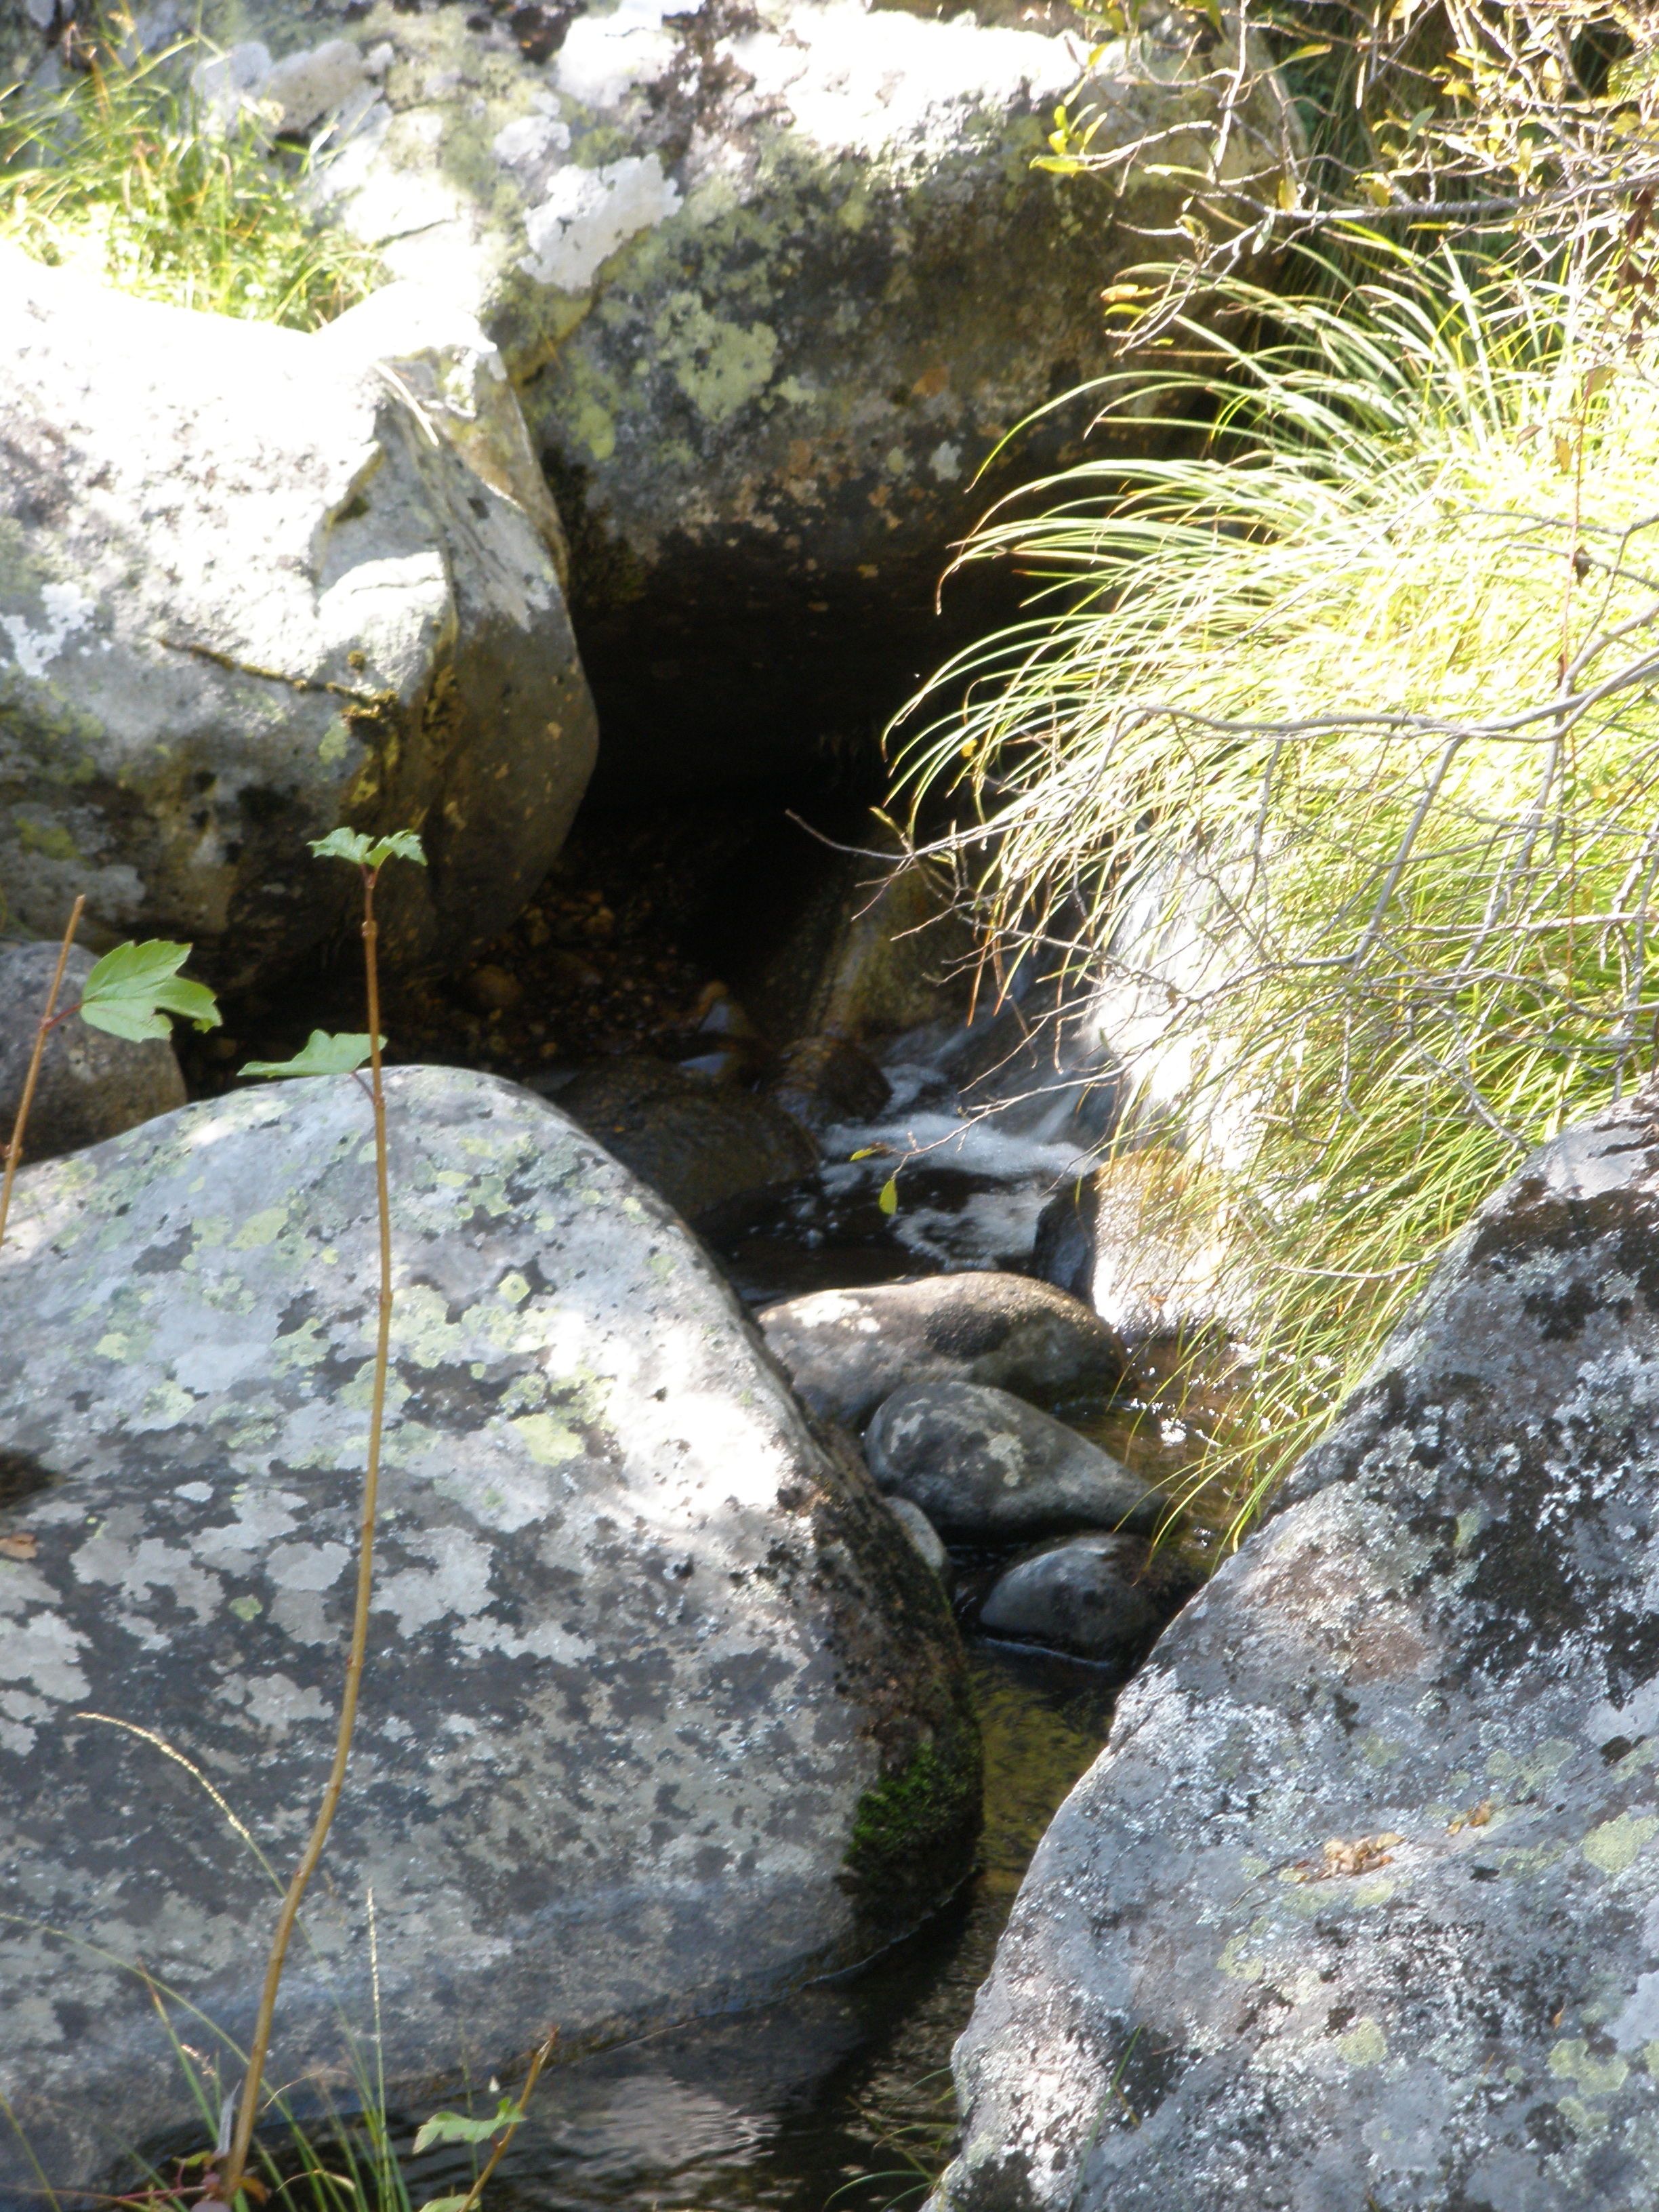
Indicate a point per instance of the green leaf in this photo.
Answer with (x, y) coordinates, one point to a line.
(366, 853)
(888, 1200)
(321, 1055)
(342, 845)
(401, 845)
(132, 990)
(870, 1152)
(457, 2127)
(448, 2203)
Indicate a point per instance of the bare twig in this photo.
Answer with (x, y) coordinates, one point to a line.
(43, 1028)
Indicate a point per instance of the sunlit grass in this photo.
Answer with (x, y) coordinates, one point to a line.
(1356, 683)
(119, 173)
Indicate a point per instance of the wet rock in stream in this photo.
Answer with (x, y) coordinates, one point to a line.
(1078, 1594)
(1122, 1239)
(696, 1143)
(985, 1466)
(922, 1533)
(846, 1351)
(822, 1080)
(665, 1712)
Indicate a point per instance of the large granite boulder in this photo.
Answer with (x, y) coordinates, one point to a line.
(1360, 1906)
(253, 583)
(775, 279)
(91, 1085)
(663, 1711)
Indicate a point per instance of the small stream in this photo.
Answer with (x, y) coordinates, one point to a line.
(840, 2096)
(971, 1182)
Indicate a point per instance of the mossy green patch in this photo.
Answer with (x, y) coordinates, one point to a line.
(910, 1820)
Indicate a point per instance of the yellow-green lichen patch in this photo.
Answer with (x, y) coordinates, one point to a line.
(1233, 1962)
(1614, 1845)
(260, 1229)
(1595, 2076)
(1531, 1768)
(720, 366)
(305, 1346)
(47, 838)
(1364, 2044)
(550, 1441)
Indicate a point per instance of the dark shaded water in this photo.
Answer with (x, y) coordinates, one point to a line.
(842, 2092)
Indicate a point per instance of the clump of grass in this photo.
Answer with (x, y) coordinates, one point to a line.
(1349, 697)
(120, 172)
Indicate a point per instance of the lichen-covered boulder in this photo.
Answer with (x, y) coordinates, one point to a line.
(663, 1711)
(91, 1085)
(253, 583)
(1360, 1905)
(774, 280)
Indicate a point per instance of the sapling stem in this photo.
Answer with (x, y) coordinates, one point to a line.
(247, 2113)
(499, 2152)
(43, 1028)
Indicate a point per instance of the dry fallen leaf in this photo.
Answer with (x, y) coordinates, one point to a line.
(22, 1546)
(1362, 1856)
(1476, 1817)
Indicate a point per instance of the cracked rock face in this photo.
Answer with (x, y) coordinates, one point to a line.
(651, 1665)
(1360, 1906)
(774, 280)
(253, 583)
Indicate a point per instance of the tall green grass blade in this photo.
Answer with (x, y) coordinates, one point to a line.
(1351, 688)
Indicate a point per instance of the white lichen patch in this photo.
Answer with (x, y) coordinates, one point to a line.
(588, 214)
(35, 644)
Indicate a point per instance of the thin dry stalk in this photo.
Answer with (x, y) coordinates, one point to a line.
(43, 1029)
(247, 2113)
